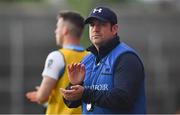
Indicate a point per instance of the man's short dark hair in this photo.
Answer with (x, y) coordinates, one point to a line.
(75, 19)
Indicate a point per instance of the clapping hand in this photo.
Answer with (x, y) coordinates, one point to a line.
(73, 94)
(76, 73)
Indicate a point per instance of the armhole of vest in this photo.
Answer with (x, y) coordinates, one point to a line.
(62, 71)
(126, 53)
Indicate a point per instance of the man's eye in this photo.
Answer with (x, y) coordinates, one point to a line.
(91, 24)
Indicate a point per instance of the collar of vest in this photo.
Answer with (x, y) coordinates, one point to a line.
(73, 47)
(105, 49)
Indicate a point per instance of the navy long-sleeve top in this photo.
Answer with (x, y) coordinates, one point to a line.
(128, 75)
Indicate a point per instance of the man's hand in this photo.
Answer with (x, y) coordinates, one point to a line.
(76, 73)
(75, 93)
(32, 95)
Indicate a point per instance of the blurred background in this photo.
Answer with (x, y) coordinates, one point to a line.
(27, 27)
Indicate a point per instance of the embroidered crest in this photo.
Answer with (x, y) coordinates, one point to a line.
(50, 62)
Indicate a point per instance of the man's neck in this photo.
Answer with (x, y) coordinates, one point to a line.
(103, 50)
(71, 41)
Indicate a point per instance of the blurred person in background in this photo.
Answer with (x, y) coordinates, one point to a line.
(68, 31)
(109, 80)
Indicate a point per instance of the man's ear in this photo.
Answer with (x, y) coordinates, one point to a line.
(115, 29)
(65, 30)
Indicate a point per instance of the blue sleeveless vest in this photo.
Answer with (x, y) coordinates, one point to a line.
(100, 77)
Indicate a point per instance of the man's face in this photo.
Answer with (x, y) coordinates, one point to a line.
(59, 32)
(101, 32)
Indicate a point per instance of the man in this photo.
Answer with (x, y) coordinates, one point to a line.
(68, 32)
(113, 72)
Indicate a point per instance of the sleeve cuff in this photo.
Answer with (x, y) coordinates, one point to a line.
(87, 95)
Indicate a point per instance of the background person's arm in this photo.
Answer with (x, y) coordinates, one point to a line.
(53, 66)
(41, 94)
(45, 89)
